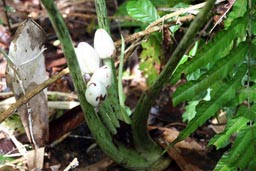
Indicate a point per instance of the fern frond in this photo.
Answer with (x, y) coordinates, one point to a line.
(247, 156)
(238, 10)
(219, 71)
(247, 93)
(243, 148)
(216, 49)
(207, 109)
(233, 125)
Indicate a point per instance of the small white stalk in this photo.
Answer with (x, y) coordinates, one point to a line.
(104, 44)
(104, 75)
(95, 93)
(87, 57)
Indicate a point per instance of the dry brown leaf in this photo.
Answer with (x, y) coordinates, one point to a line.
(26, 71)
(168, 136)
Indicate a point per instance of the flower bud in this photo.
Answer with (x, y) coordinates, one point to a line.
(104, 75)
(95, 93)
(104, 44)
(87, 57)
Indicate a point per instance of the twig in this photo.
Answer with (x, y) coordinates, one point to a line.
(179, 12)
(223, 15)
(57, 94)
(6, 15)
(150, 30)
(62, 95)
(5, 104)
(72, 165)
(24, 99)
(22, 150)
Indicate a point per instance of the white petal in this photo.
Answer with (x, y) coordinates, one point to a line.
(95, 93)
(104, 44)
(103, 74)
(87, 57)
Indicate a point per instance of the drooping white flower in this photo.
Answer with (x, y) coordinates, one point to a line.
(95, 92)
(102, 74)
(104, 44)
(87, 57)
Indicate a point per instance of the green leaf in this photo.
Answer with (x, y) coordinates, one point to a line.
(169, 3)
(121, 94)
(247, 156)
(150, 57)
(190, 109)
(4, 159)
(238, 10)
(214, 50)
(219, 71)
(10, 9)
(142, 10)
(122, 11)
(233, 125)
(241, 153)
(206, 110)
(247, 93)
(125, 20)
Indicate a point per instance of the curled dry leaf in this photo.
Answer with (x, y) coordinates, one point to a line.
(27, 71)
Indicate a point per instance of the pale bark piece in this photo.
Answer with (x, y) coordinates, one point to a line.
(26, 53)
(36, 158)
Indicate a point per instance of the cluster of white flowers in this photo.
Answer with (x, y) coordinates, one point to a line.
(89, 60)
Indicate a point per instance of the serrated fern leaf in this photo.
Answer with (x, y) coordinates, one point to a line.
(190, 111)
(142, 10)
(214, 50)
(247, 93)
(233, 125)
(219, 71)
(109, 113)
(208, 109)
(241, 149)
(246, 157)
(238, 10)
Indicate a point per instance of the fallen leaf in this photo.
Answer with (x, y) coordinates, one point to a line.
(25, 72)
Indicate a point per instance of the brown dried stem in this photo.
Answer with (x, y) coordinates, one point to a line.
(24, 99)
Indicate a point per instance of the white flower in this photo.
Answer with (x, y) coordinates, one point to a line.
(95, 93)
(104, 44)
(102, 74)
(87, 57)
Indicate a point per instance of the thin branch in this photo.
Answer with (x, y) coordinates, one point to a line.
(153, 29)
(7, 16)
(179, 12)
(24, 99)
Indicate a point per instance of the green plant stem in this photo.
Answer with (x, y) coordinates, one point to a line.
(153, 154)
(140, 116)
(103, 22)
(102, 14)
(118, 152)
(120, 73)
